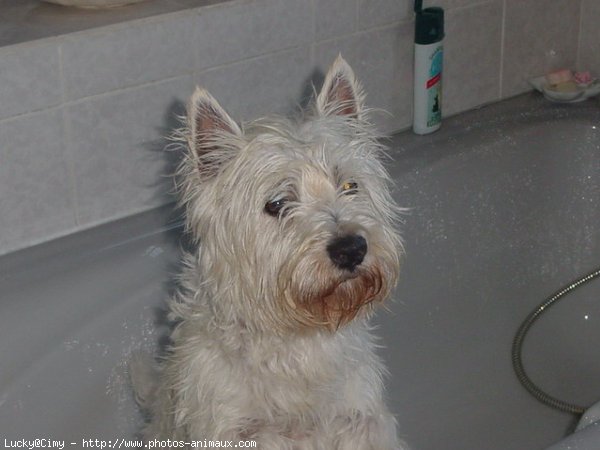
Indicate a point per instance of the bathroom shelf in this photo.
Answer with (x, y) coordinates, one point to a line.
(28, 20)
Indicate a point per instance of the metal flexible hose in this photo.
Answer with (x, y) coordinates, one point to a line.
(519, 338)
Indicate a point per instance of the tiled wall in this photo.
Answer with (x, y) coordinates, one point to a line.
(82, 115)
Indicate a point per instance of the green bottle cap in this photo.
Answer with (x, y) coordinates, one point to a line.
(429, 25)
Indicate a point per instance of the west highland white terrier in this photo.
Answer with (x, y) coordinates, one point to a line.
(296, 243)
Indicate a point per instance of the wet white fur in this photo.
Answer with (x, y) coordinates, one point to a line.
(243, 364)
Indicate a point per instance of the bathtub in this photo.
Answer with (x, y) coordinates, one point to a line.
(504, 210)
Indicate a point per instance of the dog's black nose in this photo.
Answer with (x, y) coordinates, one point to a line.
(347, 252)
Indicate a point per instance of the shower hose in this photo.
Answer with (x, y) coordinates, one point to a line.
(519, 338)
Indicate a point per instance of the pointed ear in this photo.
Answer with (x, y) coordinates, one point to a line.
(208, 123)
(341, 94)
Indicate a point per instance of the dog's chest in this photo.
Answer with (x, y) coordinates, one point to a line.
(299, 377)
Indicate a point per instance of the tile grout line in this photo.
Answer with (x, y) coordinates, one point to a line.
(502, 45)
(579, 36)
(67, 152)
(313, 41)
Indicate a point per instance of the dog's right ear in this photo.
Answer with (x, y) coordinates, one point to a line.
(210, 127)
(341, 94)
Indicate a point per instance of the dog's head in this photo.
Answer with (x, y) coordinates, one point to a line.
(296, 221)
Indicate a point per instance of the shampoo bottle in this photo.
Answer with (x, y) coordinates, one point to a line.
(429, 56)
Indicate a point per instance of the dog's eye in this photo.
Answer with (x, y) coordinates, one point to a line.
(274, 207)
(349, 187)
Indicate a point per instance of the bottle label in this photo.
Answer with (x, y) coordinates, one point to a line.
(434, 88)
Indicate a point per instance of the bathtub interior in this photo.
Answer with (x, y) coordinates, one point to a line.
(72, 311)
(504, 210)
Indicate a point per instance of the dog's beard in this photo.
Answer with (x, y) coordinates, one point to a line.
(330, 297)
(340, 301)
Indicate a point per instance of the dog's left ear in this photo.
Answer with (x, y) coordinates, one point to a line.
(341, 94)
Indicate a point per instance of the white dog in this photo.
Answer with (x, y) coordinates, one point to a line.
(296, 238)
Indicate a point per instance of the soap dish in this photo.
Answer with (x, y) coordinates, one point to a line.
(577, 94)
